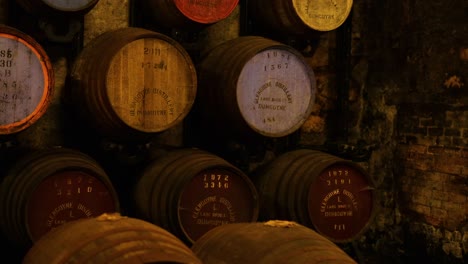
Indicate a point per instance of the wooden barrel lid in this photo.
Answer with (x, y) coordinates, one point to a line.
(109, 238)
(67, 5)
(206, 11)
(64, 197)
(254, 84)
(275, 92)
(213, 197)
(323, 15)
(341, 202)
(190, 191)
(49, 187)
(272, 242)
(132, 82)
(150, 84)
(58, 7)
(332, 195)
(27, 80)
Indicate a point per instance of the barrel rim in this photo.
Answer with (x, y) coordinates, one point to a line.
(200, 20)
(47, 73)
(190, 66)
(228, 167)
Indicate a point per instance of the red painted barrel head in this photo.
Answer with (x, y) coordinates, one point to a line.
(214, 197)
(64, 197)
(206, 11)
(341, 202)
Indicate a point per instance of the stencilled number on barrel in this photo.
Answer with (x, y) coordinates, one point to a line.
(161, 65)
(269, 119)
(338, 177)
(5, 58)
(277, 65)
(152, 51)
(339, 227)
(215, 181)
(74, 186)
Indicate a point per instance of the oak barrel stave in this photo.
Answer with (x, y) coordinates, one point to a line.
(189, 191)
(28, 80)
(57, 8)
(300, 17)
(49, 187)
(332, 195)
(267, 242)
(133, 83)
(109, 238)
(191, 14)
(239, 94)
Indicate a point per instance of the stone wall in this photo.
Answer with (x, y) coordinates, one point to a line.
(394, 100)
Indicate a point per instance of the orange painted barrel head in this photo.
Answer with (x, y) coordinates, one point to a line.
(26, 79)
(206, 11)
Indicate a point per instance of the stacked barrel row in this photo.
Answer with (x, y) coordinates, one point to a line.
(111, 238)
(131, 84)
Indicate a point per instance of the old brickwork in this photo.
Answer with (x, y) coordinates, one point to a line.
(424, 77)
(403, 115)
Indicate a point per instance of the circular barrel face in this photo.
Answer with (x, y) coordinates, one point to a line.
(25, 84)
(151, 84)
(206, 11)
(323, 15)
(341, 202)
(64, 197)
(215, 197)
(275, 92)
(70, 5)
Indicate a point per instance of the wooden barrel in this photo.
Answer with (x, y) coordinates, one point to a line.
(252, 84)
(57, 7)
(27, 80)
(182, 13)
(299, 16)
(49, 187)
(109, 238)
(132, 83)
(332, 195)
(272, 242)
(190, 191)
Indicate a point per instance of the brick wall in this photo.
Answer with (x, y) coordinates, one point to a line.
(433, 176)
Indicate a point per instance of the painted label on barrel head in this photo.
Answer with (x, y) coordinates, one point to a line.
(64, 197)
(323, 15)
(69, 5)
(275, 92)
(215, 197)
(151, 84)
(206, 11)
(23, 81)
(340, 202)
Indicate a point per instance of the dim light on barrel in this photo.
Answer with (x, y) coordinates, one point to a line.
(270, 242)
(190, 191)
(132, 83)
(49, 187)
(27, 80)
(301, 16)
(183, 13)
(332, 195)
(58, 7)
(109, 238)
(254, 85)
